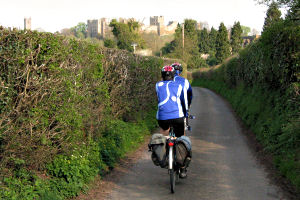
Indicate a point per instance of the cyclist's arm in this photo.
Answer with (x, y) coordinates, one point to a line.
(189, 92)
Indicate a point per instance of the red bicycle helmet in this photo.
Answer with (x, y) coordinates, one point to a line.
(167, 72)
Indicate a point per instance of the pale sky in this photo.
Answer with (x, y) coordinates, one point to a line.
(54, 15)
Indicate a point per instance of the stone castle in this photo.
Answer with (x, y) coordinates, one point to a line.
(100, 27)
(157, 25)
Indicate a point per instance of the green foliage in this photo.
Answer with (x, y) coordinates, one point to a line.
(72, 173)
(25, 185)
(203, 41)
(120, 137)
(80, 30)
(196, 62)
(236, 37)
(293, 13)
(222, 44)
(212, 41)
(211, 60)
(110, 43)
(127, 34)
(169, 48)
(273, 15)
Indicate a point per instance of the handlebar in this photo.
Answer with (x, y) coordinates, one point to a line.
(188, 127)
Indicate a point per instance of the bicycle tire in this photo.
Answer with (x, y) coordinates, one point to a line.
(172, 180)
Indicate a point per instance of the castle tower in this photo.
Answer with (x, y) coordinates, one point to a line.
(27, 23)
(94, 27)
(156, 20)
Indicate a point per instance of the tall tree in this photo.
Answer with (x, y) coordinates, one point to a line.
(203, 41)
(236, 37)
(222, 44)
(273, 15)
(212, 41)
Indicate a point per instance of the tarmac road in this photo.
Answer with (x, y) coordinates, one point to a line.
(223, 166)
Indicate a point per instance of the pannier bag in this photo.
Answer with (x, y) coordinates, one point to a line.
(157, 145)
(183, 151)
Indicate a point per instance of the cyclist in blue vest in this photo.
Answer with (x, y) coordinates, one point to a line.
(170, 103)
(188, 92)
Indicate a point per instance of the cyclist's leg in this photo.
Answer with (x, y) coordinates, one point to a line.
(178, 125)
(179, 130)
(164, 126)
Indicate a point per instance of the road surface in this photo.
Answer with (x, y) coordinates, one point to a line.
(223, 167)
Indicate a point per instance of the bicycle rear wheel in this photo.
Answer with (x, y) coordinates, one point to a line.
(172, 180)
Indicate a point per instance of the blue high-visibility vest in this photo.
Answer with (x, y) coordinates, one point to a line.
(187, 89)
(170, 97)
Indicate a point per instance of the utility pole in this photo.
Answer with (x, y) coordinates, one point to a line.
(182, 40)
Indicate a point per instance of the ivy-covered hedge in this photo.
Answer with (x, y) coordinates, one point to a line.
(69, 110)
(262, 83)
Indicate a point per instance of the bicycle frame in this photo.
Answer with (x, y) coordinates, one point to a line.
(171, 154)
(174, 173)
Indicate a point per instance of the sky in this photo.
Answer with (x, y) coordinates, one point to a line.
(54, 15)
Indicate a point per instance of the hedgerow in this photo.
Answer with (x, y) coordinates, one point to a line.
(69, 110)
(262, 84)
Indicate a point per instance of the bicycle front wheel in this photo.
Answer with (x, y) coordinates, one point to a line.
(172, 180)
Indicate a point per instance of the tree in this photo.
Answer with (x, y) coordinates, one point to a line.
(293, 13)
(127, 34)
(80, 30)
(246, 30)
(222, 44)
(212, 41)
(203, 41)
(273, 15)
(288, 3)
(236, 37)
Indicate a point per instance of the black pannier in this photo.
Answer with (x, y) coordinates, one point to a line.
(183, 151)
(157, 145)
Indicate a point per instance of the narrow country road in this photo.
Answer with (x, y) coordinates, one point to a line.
(223, 167)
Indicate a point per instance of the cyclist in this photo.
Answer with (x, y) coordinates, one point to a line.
(188, 92)
(170, 103)
(188, 96)
(171, 106)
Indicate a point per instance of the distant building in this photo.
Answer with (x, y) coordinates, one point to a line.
(97, 27)
(149, 29)
(157, 20)
(27, 23)
(169, 29)
(157, 25)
